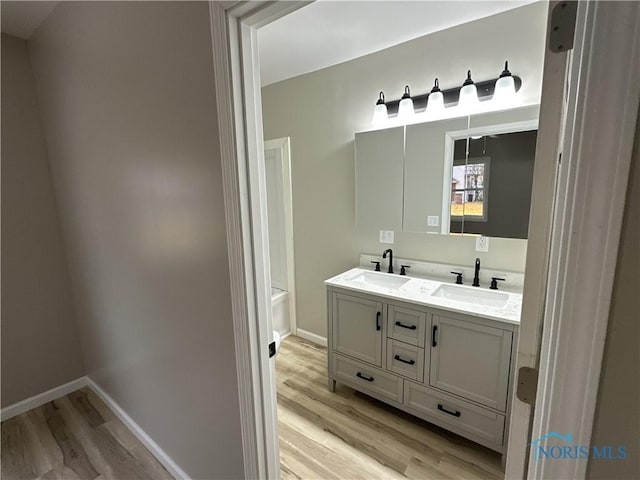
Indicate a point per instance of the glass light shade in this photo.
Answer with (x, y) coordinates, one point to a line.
(380, 114)
(405, 109)
(505, 91)
(435, 103)
(468, 98)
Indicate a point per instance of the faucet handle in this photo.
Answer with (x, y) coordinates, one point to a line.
(377, 265)
(403, 269)
(458, 278)
(494, 282)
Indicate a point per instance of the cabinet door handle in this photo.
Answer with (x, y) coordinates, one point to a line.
(408, 362)
(434, 340)
(442, 409)
(378, 320)
(408, 327)
(368, 379)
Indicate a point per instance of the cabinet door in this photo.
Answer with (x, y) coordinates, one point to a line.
(357, 328)
(470, 360)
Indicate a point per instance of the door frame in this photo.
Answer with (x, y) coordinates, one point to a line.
(574, 269)
(284, 145)
(237, 87)
(236, 69)
(590, 200)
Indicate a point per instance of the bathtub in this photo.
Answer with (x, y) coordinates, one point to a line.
(280, 310)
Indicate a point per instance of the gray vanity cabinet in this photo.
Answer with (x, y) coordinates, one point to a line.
(471, 360)
(451, 369)
(357, 327)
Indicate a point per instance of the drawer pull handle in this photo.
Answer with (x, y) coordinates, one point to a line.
(368, 379)
(434, 341)
(408, 362)
(378, 320)
(408, 327)
(442, 409)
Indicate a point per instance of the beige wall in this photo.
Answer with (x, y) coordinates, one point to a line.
(126, 93)
(617, 420)
(321, 111)
(40, 346)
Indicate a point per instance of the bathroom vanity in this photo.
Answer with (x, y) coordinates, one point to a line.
(440, 351)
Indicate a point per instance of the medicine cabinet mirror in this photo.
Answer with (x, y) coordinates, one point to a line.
(465, 175)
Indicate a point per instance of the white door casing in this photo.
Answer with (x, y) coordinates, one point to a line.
(608, 42)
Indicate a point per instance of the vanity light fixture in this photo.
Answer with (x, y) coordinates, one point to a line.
(435, 100)
(468, 98)
(505, 89)
(405, 110)
(380, 114)
(468, 95)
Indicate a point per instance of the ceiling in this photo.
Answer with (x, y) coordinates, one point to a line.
(22, 18)
(327, 32)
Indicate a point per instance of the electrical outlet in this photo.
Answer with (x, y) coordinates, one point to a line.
(386, 236)
(482, 244)
(433, 221)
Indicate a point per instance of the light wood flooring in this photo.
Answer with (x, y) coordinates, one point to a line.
(347, 435)
(74, 437)
(323, 435)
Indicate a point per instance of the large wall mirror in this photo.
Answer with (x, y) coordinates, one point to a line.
(465, 175)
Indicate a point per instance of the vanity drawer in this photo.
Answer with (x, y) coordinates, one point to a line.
(406, 325)
(405, 359)
(481, 425)
(368, 379)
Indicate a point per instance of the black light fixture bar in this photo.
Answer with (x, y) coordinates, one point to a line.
(451, 96)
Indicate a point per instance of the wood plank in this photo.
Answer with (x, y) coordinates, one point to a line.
(81, 403)
(76, 437)
(75, 457)
(115, 460)
(17, 458)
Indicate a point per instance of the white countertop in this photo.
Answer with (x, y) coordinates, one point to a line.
(418, 291)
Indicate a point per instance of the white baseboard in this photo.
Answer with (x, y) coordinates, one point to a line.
(282, 337)
(312, 337)
(148, 442)
(41, 398)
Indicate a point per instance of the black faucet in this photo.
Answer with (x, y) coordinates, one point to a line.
(384, 255)
(476, 278)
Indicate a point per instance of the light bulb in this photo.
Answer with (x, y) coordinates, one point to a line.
(380, 114)
(435, 101)
(405, 109)
(468, 100)
(505, 89)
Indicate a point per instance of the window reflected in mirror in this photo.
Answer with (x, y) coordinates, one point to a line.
(492, 178)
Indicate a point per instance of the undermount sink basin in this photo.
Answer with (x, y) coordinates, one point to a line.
(383, 280)
(472, 296)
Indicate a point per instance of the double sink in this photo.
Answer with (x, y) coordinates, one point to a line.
(456, 293)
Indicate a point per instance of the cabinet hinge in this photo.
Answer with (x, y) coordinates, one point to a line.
(527, 385)
(562, 26)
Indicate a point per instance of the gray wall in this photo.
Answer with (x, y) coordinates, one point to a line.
(617, 420)
(40, 346)
(126, 92)
(321, 111)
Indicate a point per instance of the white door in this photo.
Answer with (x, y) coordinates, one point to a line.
(277, 163)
